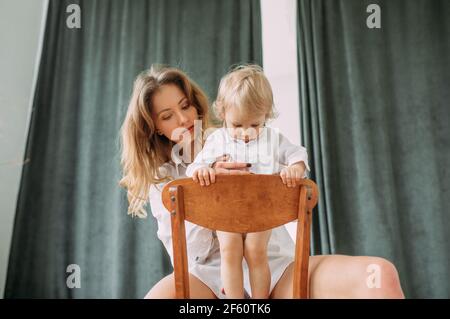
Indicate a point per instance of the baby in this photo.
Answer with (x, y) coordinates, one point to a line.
(244, 104)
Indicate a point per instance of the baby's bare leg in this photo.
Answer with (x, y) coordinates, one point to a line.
(255, 252)
(231, 254)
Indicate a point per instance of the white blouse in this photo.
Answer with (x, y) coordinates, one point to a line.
(198, 239)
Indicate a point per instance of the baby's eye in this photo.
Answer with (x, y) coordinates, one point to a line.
(256, 125)
(237, 125)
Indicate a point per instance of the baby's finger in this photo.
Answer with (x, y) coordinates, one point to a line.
(298, 177)
(295, 179)
(206, 176)
(283, 176)
(212, 175)
(288, 178)
(200, 177)
(195, 177)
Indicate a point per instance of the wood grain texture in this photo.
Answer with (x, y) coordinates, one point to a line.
(180, 261)
(301, 264)
(240, 203)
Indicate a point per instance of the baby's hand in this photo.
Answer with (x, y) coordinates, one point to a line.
(204, 176)
(293, 174)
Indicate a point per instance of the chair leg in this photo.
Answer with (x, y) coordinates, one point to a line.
(300, 284)
(180, 260)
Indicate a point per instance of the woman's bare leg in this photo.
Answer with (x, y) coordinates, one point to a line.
(339, 276)
(255, 252)
(231, 254)
(165, 289)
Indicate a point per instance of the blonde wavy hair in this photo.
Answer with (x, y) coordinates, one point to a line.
(143, 150)
(247, 88)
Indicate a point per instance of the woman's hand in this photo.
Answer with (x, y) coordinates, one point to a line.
(222, 167)
(207, 175)
(292, 175)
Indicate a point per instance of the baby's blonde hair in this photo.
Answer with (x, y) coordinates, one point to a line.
(143, 150)
(246, 88)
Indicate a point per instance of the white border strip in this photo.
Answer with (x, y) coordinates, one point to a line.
(37, 64)
(279, 42)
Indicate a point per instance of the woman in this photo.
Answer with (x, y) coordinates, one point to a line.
(158, 141)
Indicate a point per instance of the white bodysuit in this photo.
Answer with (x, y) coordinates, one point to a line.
(268, 153)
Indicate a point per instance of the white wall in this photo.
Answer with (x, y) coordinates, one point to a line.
(21, 25)
(280, 66)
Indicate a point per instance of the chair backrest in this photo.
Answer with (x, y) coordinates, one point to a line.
(241, 204)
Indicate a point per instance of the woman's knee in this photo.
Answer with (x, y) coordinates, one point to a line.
(340, 276)
(163, 289)
(381, 279)
(389, 283)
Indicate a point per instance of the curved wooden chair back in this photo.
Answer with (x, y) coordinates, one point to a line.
(240, 204)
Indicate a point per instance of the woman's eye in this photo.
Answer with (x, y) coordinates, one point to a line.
(167, 117)
(186, 106)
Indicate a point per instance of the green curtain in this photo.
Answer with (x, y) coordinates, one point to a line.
(70, 208)
(375, 118)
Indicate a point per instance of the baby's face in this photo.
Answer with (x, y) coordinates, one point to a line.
(246, 128)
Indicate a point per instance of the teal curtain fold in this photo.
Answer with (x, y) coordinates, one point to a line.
(70, 208)
(375, 118)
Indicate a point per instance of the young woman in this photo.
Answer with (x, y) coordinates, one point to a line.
(163, 109)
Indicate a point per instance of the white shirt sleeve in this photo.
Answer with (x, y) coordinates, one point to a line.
(213, 148)
(198, 238)
(291, 153)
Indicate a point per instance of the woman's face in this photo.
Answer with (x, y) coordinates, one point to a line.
(172, 113)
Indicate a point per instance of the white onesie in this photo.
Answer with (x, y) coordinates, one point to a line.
(268, 153)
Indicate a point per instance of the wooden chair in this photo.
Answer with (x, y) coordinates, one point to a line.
(240, 204)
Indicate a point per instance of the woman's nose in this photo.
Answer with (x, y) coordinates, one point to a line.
(182, 119)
